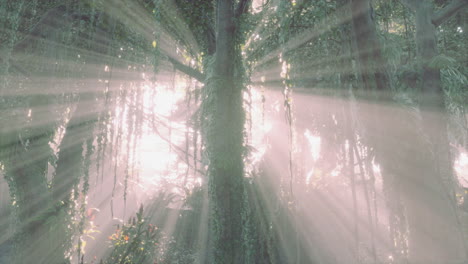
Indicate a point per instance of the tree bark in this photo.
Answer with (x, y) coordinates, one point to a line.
(26, 156)
(439, 218)
(223, 133)
(426, 49)
(422, 171)
(371, 62)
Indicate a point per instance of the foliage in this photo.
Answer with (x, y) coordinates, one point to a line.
(135, 242)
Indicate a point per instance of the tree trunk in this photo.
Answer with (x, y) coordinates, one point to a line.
(371, 62)
(426, 49)
(10, 21)
(70, 156)
(434, 228)
(68, 171)
(421, 171)
(26, 162)
(224, 122)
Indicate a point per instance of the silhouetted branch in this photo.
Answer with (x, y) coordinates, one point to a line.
(187, 69)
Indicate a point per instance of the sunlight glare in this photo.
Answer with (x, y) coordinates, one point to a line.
(314, 144)
(461, 168)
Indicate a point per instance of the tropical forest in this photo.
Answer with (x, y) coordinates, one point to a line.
(233, 132)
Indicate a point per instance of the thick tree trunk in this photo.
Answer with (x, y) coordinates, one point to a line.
(435, 234)
(421, 173)
(25, 157)
(224, 141)
(417, 172)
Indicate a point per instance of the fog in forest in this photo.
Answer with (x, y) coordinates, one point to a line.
(233, 131)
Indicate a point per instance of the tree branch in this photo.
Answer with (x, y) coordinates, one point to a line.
(187, 69)
(448, 11)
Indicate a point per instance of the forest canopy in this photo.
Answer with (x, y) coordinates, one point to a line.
(234, 131)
